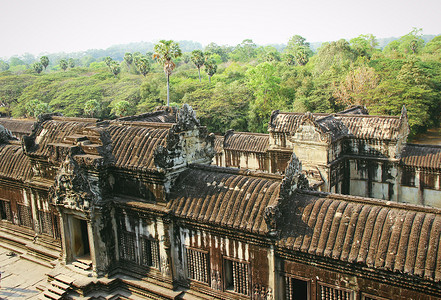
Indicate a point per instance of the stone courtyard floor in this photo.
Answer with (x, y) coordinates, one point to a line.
(20, 277)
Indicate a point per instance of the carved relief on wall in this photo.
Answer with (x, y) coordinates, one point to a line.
(165, 268)
(216, 281)
(270, 215)
(261, 292)
(307, 132)
(72, 187)
(186, 118)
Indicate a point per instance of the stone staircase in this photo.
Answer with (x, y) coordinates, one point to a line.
(57, 289)
(84, 264)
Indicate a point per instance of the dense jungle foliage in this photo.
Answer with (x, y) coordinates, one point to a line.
(236, 87)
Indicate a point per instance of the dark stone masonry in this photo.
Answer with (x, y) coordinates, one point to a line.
(325, 206)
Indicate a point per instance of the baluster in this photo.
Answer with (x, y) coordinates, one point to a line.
(234, 276)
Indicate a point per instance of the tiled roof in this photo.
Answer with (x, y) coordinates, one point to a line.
(55, 132)
(383, 235)
(133, 146)
(14, 164)
(355, 110)
(161, 115)
(288, 122)
(372, 127)
(18, 127)
(245, 141)
(224, 197)
(421, 156)
(332, 126)
(132, 143)
(218, 144)
(359, 125)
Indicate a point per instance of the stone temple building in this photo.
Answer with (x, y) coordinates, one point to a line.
(350, 152)
(136, 209)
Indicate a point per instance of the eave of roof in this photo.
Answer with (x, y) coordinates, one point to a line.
(391, 236)
(231, 200)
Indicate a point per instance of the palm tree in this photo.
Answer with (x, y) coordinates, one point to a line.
(210, 67)
(115, 68)
(128, 58)
(63, 64)
(108, 60)
(38, 67)
(142, 64)
(44, 60)
(165, 51)
(197, 57)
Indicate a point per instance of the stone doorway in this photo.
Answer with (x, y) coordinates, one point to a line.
(80, 239)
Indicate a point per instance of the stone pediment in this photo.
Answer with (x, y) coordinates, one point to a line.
(323, 129)
(309, 131)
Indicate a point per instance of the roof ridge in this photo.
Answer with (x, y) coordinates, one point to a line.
(236, 171)
(300, 113)
(75, 119)
(249, 133)
(373, 201)
(424, 145)
(143, 124)
(367, 116)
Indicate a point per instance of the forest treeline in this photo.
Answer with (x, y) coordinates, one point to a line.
(236, 87)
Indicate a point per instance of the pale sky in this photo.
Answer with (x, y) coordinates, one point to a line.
(66, 26)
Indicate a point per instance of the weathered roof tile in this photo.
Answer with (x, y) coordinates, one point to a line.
(133, 146)
(163, 114)
(372, 127)
(421, 156)
(246, 141)
(14, 163)
(391, 236)
(358, 125)
(227, 199)
(55, 132)
(18, 127)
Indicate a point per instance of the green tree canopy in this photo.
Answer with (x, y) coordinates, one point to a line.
(128, 58)
(264, 82)
(434, 48)
(15, 61)
(92, 108)
(36, 107)
(269, 54)
(4, 66)
(411, 43)
(245, 51)
(299, 49)
(338, 55)
(411, 87)
(222, 51)
(121, 108)
(364, 45)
